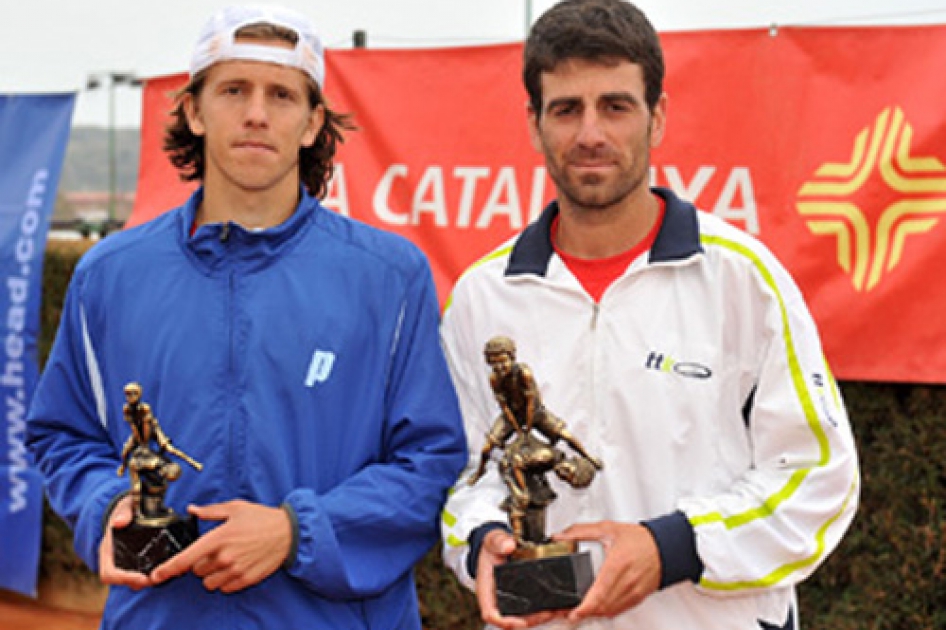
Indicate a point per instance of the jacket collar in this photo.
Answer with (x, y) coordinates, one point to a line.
(677, 239)
(214, 243)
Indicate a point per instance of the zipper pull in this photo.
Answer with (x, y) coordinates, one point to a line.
(225, 232)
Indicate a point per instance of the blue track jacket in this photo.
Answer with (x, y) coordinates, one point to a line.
(301, 365)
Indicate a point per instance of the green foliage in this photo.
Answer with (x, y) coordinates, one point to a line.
(445, 604)
(60, 261)
(888, 574)
(890, 571)
(58, 561)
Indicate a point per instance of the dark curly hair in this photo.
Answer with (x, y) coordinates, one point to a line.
(186, 150)
(596, 30)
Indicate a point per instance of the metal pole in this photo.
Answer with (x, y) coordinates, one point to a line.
(528, 17)
(112, 177)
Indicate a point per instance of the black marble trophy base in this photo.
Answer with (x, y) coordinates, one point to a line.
(141, 548)
(527, 586)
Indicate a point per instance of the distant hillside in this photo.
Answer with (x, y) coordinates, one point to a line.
(86, 164)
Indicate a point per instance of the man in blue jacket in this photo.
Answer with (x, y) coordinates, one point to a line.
(292, 351)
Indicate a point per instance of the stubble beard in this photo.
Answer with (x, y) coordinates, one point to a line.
(592, 193)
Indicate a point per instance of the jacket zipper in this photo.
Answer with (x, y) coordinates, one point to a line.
(592, 428)
(231, 374)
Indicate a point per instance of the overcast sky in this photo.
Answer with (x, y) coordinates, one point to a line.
(55, 45)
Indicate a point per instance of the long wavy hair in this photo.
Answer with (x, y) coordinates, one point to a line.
(186, 150)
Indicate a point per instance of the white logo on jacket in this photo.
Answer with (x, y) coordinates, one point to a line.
(320, 367)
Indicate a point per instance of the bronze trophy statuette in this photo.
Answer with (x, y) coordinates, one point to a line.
(156, 532)
(541, 574)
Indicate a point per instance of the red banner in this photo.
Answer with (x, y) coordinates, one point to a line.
(827, 144)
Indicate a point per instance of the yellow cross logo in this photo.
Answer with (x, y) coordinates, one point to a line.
(911, 192)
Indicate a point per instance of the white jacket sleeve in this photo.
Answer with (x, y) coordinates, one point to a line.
(783, 516)
(469, 507)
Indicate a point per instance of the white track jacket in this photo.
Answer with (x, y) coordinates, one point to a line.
(700, 381)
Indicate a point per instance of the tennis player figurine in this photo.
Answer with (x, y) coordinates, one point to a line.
(543, 574)
(156, 532)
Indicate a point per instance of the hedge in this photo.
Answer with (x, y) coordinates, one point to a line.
(888, 574)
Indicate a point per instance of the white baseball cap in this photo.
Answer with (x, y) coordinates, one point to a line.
(217, 41)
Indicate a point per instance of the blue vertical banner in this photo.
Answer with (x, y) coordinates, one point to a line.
(34, 131)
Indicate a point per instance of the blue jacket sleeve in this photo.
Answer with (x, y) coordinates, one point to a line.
(66, 432)
(369, 531)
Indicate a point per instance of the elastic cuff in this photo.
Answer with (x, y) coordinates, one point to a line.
(676, 543)
(475, 540)
(294, 545)
(111, 507)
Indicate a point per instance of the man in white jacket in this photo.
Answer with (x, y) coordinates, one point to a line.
(675, 346)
